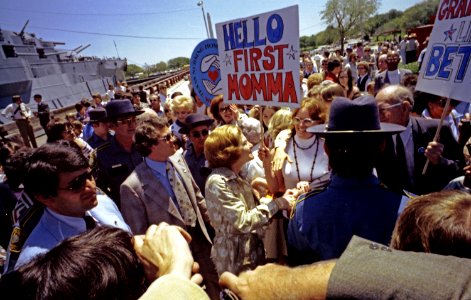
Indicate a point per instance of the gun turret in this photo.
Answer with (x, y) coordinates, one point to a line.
(23, 29)
(81, 48)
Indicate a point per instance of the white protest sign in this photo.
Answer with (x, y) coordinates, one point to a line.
(259, 57)
(445, 70)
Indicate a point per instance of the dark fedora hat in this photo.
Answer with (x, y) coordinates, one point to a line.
(359, 116)
(97, 114)
(120, 108)
(195, 120)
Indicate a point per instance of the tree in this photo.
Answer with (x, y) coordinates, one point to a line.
(178, 62)
(161, 66)
(345, 15)
(375, 22)
(307, 42)
(133, 69)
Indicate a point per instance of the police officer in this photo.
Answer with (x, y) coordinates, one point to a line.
(99, 127)
(116, 159)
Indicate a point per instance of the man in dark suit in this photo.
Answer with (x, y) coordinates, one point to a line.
(43, 111)
(161, 189)
(400, 166)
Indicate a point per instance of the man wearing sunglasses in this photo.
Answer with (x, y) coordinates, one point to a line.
(161, 189)
(117, 158)
(197, 129)
(59, 178)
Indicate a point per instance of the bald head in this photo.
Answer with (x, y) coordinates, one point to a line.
(395, 104)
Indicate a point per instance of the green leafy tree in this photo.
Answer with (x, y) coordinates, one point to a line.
(160, 67)
(417, 15)
(178, 62)
(345, 15)
(307, 42)
(133, 69)
(327, 36)
(375, 22)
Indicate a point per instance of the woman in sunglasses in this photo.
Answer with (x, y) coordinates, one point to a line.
(237, 217)
(58, 129)
(224, 113)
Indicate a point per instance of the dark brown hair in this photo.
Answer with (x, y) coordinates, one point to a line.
(438, 223)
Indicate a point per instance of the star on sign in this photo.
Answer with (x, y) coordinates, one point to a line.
(227, 60)
(292, 52)
(449, 33)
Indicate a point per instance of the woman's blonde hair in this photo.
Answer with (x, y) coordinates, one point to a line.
(182, 102)
(279, 121)
(223, 146)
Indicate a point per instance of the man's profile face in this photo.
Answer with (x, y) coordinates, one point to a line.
(76, 194)
(391, 112)
(166, 144)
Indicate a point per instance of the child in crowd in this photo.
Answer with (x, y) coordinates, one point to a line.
(181, 107)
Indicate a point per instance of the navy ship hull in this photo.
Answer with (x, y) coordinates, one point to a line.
(30, 66)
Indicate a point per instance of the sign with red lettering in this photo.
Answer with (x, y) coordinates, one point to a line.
(445, 69)
(259, 58)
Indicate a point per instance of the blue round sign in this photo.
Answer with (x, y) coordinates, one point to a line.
(205, 70)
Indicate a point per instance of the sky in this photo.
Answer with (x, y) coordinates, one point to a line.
(166, 28)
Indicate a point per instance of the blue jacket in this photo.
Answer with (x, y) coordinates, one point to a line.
(324, 222)
(50, 231)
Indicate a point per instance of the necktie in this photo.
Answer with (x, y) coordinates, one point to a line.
(401, 161)
(89, 222)
(186, 208)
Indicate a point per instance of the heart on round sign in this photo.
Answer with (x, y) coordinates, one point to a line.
(213, 75)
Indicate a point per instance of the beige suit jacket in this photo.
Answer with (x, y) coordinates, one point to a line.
(145, 201)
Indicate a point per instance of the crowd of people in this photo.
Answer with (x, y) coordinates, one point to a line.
(155, 196)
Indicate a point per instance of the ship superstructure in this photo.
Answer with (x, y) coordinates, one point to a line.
(31, 65)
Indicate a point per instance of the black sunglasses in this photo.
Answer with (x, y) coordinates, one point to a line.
(225, 109)
(198, 134)
(78, 183)
(167, 137)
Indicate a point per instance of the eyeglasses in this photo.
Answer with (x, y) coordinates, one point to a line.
(78, 183)
(367, 50)
(306, 121)
(197, 134)
(225, 109)
(166, 138)
(154, 100)
(166, 111)
(128, 121)
(390, 106)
